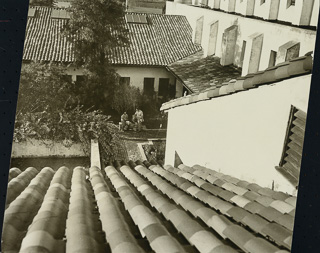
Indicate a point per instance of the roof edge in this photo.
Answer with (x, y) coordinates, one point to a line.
(282, 71)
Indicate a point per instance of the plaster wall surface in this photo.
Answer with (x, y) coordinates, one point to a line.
(262, 10)
(137, 75)
(36, 148)
(74, 72)
(292, 13)
(274, 35)
(268, 10)
(246, 7)
(315, 13)
(240, 134)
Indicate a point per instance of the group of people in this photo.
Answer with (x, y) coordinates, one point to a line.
(136, 124)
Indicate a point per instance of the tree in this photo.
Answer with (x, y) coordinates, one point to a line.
(44, 87)
(96, 27)
(126, 98)
(48, 109)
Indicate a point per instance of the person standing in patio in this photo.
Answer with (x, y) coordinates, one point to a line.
(124, 121)
(139, 117)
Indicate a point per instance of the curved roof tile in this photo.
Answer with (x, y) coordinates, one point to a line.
(165, 39)
(112, 205)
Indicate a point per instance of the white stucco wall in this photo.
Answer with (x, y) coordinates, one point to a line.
(74, 72)
(291, 14)
(315, 13)
(274, 35)
(137, 75)
(269, 10)
(240, 134)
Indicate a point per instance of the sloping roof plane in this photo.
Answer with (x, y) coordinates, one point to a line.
(165, 39)
(282, 71)
(199, 73)
(140, 207)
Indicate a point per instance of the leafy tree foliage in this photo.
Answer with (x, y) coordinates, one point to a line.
(96, 27)
(126, 98)
(48, 109)
(44, 87)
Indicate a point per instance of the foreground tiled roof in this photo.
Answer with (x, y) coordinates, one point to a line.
(139, 207)
(199, 73)
(282, 71)
(166, 39)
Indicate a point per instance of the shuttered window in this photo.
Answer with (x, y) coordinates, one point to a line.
(290, 163)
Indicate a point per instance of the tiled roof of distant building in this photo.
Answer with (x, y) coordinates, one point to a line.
(199, 73)
(165, 39)
(139, 207)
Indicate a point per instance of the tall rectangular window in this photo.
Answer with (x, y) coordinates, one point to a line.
(67, 78)
(172, 91)
(185, 91)
(272, 59)
(124, 80)
(291, 3)
(243, 51)
(148, 86)
(163, 87)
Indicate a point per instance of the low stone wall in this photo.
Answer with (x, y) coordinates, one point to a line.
(48, 148)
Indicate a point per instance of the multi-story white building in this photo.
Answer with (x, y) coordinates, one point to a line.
(251, 127)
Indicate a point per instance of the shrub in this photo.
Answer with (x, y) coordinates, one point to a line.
(68, 127)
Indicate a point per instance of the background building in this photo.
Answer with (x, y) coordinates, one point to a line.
(245, 126)
(156, 40)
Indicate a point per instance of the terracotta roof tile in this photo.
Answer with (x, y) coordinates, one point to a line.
(165, 39)
(138, 209)
(299, 66)
(13, 172)
(199, 73)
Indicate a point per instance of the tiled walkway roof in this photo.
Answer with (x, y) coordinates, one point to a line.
(282, 71)
(166, 39)
(139, 207)
(199, 73)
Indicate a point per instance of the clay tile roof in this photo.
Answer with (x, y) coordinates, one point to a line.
(296, 67)
(143, 208)
(199, 73)
(165, 39)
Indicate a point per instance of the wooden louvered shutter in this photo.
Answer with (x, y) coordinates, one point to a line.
(290, 162)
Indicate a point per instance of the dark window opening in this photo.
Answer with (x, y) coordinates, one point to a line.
(172, 91)
(243, 51)
(67, 78)
(163, 87)
(262, 2)
(291, 3)
(80, 79)
(148, 86)
(185, 91)
(124, 81)
(273, 58)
